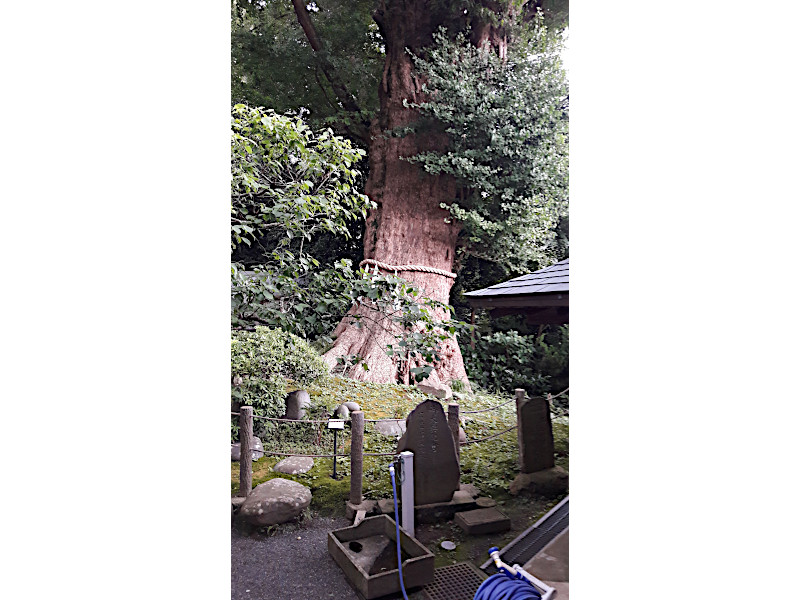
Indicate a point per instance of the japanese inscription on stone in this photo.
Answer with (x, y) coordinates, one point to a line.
(436, 471)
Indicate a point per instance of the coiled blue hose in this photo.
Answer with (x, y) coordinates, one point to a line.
(397, 529)
(503, 587)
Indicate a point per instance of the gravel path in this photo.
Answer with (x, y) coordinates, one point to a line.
(293, 564)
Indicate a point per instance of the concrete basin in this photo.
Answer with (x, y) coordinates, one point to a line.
(367, 553)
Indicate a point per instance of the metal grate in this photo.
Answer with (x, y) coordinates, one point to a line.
(454, 582)
(531, 541)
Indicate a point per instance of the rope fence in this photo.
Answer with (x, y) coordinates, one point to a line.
(463, 412)
(357, 422)
(488, 437)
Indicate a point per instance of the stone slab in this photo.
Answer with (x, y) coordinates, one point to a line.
(485, 502)
(482, 521)
(436, 470)
(552, 562)
(294, 465)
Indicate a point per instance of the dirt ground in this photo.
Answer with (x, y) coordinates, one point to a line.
(291, 561)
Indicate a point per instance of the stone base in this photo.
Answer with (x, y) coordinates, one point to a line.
(483, 521)
(386, 506)
(236, 503)
(369, 507)
(463, 499)
(441, 511)
(547, 482)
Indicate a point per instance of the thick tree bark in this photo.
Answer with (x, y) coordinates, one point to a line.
(408, 227)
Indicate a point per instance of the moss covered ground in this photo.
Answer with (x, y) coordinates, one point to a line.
(489, 465)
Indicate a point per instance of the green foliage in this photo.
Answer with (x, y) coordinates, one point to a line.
(264, 360)
(505, 360)
(286, 178)
(506, 124)
(273, 64)
(288, 185)
(291, 184)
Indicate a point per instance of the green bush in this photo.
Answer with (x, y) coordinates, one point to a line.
(505, 360)
(261, 363)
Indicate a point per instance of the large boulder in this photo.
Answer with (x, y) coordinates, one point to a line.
(275, 501)
(296, 403)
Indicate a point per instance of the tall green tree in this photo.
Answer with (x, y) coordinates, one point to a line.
(408, 232)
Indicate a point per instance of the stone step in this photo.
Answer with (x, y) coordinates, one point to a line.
(482, 521)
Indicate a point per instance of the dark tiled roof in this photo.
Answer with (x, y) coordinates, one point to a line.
(554, 278)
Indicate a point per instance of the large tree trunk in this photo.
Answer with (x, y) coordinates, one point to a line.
(408, 226)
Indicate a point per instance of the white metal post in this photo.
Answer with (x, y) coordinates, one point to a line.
(407, 491)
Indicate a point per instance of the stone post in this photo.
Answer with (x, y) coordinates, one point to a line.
(534, 433)
(356, 456)
(246, 450)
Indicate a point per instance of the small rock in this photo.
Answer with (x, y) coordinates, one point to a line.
(341, 412)
(460, 497)
(462, 435)
(448, 545)
(394, 427)
(257, 450)
(386, 506)
(441, 391)
(470, 489)
(236, 503)
(296, 403)
(275, 501)
(352, 406)
(485, 502)
(294, 465)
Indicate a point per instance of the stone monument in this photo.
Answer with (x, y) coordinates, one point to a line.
(534, 434)
(428, 436)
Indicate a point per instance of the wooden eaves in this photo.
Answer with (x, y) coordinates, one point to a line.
(542, 297)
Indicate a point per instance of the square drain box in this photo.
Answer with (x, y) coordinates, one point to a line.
(455, 582)
(367, 553)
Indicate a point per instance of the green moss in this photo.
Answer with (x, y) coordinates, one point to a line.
(490, 465)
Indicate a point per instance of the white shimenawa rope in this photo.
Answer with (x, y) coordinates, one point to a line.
(422, 268)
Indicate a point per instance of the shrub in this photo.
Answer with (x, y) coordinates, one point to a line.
(505, 360)
(264, 360)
